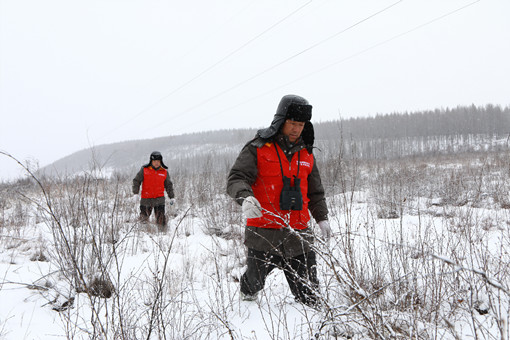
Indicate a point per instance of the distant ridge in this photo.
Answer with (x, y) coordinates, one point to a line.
(131, 154)
(462, 128)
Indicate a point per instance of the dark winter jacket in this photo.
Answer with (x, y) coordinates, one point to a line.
(153, 182)
(286, 242)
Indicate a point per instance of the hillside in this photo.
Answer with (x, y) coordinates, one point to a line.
(395, 135)
(126, 156)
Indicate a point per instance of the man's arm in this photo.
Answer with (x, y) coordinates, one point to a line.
(169, 186)
(243, 174)
(137, 181)
(317, 204)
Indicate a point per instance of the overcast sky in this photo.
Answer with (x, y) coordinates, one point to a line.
(74, 74)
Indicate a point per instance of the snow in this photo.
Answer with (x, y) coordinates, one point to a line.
(27, 313)
(395, 269)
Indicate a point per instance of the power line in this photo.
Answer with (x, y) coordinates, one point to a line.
(341, 60)
(383, 42)
(149, 107)
(279, 63)
(138, 114)
(214, 33)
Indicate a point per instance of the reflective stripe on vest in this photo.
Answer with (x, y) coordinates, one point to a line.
(269, 184)
(153, 185)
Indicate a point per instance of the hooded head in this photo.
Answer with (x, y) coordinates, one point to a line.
(295, 108)
(156, 155)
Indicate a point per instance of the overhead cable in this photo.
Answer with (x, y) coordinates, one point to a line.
(280, 63)
(149, 107)
(336, 62)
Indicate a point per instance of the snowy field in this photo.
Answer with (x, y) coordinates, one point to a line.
(420, 251)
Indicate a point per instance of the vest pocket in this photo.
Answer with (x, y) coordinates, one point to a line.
(269, 167)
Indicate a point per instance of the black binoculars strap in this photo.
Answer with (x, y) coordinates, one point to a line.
(280, 160)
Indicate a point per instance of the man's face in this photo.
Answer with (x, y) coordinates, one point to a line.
(156, 163)
(293, 129)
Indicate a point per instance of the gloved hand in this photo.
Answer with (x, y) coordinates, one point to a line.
(251, 207)
(172, 201)
(325, 230)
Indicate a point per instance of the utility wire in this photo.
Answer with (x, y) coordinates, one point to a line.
(148, 108)
(383, 42)
(278, 64)
(212, 34)
(138, 114)
(334, 63)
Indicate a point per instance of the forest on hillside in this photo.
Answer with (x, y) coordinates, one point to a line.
(462, 120)
(388, 136)
(396, 135)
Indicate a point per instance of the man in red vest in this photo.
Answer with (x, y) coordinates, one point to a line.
(277, 182)
(155, 180)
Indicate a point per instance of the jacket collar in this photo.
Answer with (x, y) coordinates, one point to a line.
(288, 147)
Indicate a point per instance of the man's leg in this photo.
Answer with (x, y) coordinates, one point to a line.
(159, 211)
(301, 274)
(145, 212)
(259, 265)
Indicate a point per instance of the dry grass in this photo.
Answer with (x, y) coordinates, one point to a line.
(420, 248)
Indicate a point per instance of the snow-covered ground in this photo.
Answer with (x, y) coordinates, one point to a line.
(414, 268)
(201, 293)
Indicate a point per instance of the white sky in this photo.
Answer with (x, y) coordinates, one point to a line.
(75, 74)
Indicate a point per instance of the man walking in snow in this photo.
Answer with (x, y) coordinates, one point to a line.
(277, 182)
(154, 179)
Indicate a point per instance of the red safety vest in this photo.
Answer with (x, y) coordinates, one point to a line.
(153, 185)
(269, 184)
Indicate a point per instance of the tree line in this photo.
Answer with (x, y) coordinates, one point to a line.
(462, 120)
(441, 131)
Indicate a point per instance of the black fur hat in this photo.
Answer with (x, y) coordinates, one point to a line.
(299, 112)
(156, 156)
(296, 108)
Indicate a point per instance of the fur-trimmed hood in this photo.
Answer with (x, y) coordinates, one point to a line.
(282, 114)
(156, 155)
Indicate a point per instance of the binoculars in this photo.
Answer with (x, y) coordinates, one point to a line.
(290, 197)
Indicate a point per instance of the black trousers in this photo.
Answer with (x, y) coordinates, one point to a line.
(300, 272)
(159, 212)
